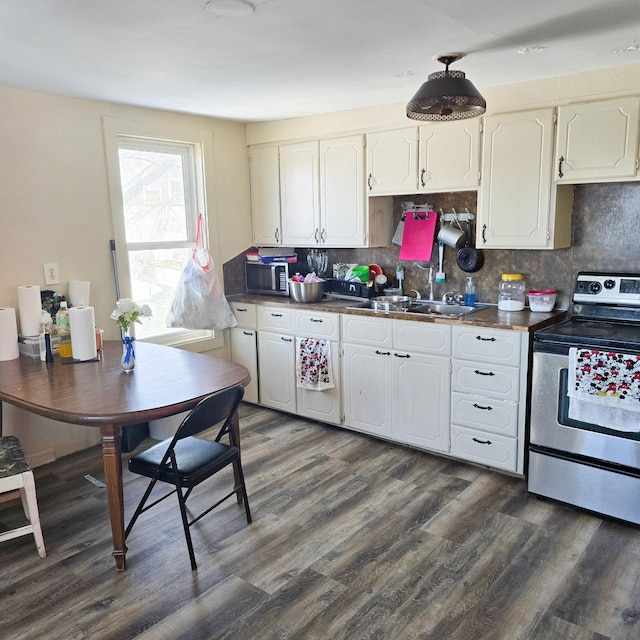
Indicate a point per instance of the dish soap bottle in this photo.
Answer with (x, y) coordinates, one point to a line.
(64, 331)
(470, 293)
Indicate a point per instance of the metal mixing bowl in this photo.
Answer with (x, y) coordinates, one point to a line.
(306, 291)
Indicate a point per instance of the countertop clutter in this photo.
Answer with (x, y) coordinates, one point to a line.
(485, 316)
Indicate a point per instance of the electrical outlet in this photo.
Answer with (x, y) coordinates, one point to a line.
(51, 273)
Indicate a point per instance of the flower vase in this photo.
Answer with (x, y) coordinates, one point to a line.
(128, 360)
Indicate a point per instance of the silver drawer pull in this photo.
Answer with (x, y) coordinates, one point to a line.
(484, 373)
(485, 339)
(477, 406)
(383, 353)
(482, 441)
(315, 320)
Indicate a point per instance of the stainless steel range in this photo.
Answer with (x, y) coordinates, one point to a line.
(585, 425)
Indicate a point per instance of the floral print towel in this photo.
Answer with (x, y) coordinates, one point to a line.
(313, 364)
(605, 377)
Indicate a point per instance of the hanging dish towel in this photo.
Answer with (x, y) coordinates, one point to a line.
(417, 237)
(313, 364)
(604, 387)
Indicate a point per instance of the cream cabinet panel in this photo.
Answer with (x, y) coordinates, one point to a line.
(501, 346)
(316, 324)
(449, 156)
(597, 141)
(518, 205)
(342, 192)
(276, 366)
(377, 332)
(488, 414)
(366, 380)
(323, 405)
(392, 161)
(490, 449)
(278, 319)
(422, 336)
(243, 351)
(299, 194)
(264, 167)
(491, 380)
(420, 400)
(246, 314)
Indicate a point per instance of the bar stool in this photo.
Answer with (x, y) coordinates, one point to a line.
(15, 474)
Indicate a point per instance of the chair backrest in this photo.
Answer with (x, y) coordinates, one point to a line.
(210, 411)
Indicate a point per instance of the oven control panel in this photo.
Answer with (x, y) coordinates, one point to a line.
(607, 288)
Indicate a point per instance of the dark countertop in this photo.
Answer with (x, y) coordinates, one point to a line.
(486, 316)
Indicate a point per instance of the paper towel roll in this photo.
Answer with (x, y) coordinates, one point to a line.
(8, 334)
(30, 309)
(83, 333)
(79, 292)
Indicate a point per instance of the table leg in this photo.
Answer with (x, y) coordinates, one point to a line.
(113, 476)
(235, 425)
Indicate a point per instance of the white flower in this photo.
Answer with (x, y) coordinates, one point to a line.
(128, 311)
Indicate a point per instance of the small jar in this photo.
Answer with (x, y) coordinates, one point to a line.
(511, 292)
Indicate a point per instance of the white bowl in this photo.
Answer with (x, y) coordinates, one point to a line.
(542, 300)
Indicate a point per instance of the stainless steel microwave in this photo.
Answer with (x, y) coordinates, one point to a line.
(270, 278)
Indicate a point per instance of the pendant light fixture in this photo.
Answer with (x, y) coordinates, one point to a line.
(446, 95)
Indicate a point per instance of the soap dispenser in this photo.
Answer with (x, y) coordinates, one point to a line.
(470, 293)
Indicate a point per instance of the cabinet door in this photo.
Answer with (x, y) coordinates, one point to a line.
(449, 156)
(299, 194)
(392, 161)
(323, 405)
(243, 351)
(342, 210)
(366, 376)
(264, 166)
(276, 368)
(245, 313)
(421, 405)
(598, 140)
(515, 195)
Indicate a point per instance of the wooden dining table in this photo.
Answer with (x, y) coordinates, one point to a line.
(166, 381)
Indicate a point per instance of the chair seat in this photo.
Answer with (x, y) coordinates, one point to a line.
(13, 460)
(197, 460)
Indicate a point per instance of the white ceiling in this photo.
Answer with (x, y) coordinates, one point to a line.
(292, 58)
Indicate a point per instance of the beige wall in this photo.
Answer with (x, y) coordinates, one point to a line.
(54, 207)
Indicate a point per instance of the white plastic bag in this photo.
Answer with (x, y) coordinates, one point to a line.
(198, 301)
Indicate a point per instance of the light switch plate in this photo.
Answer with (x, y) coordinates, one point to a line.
(51, 273)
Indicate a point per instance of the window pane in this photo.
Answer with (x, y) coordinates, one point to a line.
(154, 278)
(153, 195)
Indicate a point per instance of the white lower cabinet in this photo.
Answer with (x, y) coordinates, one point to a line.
(277, 374)
(489, 372)
(396, 388)
(243, 351)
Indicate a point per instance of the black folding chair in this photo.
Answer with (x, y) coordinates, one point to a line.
(185, 461)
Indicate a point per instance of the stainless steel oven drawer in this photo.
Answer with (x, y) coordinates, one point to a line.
(589, 486)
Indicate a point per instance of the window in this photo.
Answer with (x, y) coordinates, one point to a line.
(157, 185)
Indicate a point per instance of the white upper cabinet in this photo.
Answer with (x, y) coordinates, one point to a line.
(392, 161)
(433, 158)
(342, 199)
(299, 194)
(449, 156)
(597, 141)
(519, 206)
(265, 195)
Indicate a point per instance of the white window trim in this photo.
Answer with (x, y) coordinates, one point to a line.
(114, 127)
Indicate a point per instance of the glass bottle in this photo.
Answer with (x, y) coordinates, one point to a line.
(64, 331)
(511, 292)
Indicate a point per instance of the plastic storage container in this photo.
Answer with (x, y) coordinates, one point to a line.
(64, 331)
(542, 299)
(511, 292)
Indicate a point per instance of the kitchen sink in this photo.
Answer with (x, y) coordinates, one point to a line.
(424, 307)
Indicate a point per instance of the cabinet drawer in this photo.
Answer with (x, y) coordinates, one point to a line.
(245, 314)
(482, 379)
(370, 331)
(488, 414)
(318, 325)
(422, 336)
(485, 448)
(276, 318)
(501, 346)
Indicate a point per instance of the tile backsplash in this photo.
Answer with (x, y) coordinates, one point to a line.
(605, 237)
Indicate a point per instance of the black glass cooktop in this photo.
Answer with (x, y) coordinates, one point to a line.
(592, 333)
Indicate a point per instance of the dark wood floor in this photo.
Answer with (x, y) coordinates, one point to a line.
(352, 538)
